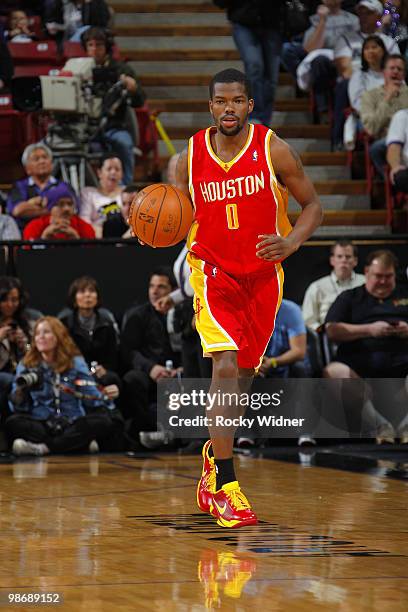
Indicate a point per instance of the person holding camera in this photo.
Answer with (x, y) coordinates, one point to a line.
(98, 44)
(16, 324)
(56, 403)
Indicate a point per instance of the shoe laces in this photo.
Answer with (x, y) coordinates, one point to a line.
(238, 500)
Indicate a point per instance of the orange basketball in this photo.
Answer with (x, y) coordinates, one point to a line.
(161, 215)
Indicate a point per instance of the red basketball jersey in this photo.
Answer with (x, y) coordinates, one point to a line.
(235, 202)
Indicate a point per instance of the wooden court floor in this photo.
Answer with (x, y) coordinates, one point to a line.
(112, 532)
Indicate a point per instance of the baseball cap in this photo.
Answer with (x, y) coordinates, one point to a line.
(372, 5)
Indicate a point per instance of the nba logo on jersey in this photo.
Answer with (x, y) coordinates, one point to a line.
(214, 272)
(255, 156)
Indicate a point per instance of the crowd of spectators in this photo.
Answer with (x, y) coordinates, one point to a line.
(85, 365)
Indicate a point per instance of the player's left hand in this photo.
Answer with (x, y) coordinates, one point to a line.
(274, 248)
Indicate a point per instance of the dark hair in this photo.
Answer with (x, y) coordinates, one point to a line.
(344, 243)
(230, 75)
(396, 56)
(165, 271)
(385, 256)
(379, 41)
(106, 156)
(7, 283)
(79, 284)
(100, 35)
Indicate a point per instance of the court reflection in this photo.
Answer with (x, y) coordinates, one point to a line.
(224, 576)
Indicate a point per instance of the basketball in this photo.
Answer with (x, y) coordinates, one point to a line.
(161, 215)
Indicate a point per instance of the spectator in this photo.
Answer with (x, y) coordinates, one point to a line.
(19, 29)
(347, 57)
(256, 29)
(96, 334)
(397, 150)
(116, 226)
(146, 345)
(286, 351)
(379, 105)
(8, 228)
(370, 75)
(35, 195)
(63, 410)
(321, 293)
(370, 326)
(16, 325)
(98, 44)
(318, 70)
(69, 19)
(98, 204)
(6, 67)
(93, 329)
(61, 224)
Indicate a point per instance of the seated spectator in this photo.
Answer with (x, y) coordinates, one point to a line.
(347, 57)
(370, 75)
(286, 351)
(397, 150)
(18, 28)
(63, 409)
(6, 67)
(35, 195)
(98, 44)
(116, 226)
(318, 71)
(61, 224)
(69, 19)
(321, 293)
(98, 204)
(370, 326)
(146, 345)
(16, 325)
(379, 105)
(8, 228)
(93, 329)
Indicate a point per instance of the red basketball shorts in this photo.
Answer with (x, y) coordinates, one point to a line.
(235, 315)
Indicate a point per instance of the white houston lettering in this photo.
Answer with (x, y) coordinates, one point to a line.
(241, 186)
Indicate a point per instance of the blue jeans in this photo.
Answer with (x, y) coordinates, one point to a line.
(292, 54)
(378, 154)
(260, 51)
(122, 144)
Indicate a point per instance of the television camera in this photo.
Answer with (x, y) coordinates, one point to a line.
(78, 102)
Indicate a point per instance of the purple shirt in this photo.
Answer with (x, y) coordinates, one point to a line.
(26, 188)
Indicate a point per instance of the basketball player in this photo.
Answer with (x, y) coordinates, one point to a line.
(238, 176)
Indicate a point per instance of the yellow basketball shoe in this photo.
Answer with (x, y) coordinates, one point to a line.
(206, 484)
(231, 508)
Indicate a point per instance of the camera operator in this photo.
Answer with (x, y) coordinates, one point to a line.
(35, 195)
(98, 44)
(57, 404)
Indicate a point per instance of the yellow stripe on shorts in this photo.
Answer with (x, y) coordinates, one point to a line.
(213, 336)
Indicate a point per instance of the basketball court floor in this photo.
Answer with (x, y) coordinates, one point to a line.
(120, 532)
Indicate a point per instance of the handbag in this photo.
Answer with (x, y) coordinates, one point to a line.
(296, 18)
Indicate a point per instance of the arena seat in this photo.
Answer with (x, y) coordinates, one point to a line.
(41, 52)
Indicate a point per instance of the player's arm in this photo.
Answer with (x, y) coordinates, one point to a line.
(288, 167)
(182, 173)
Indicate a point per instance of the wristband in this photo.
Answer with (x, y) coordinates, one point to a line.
(274, 363)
